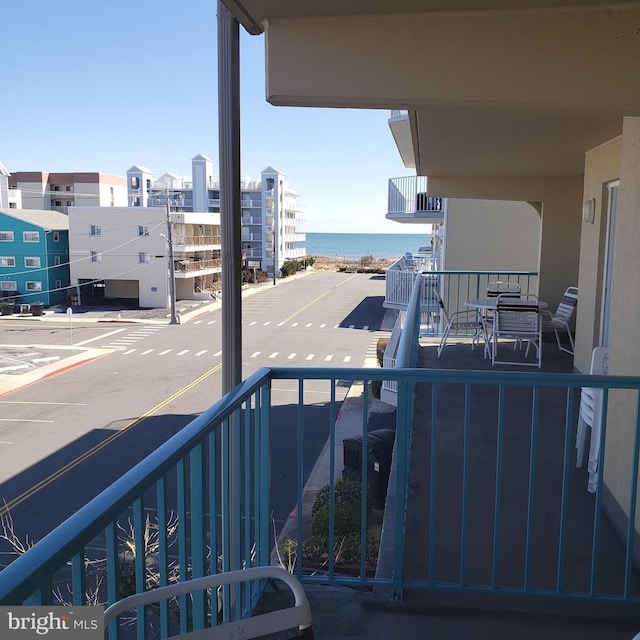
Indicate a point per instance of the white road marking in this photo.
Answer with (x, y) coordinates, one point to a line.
(24, 420)
(311, 356)
(218, 353)
(328, 359)
(347, 359)
(162, 353)
(102, 337)
(323, 325)
(126, 353)
(291, 356)
(308, 324)
(255, 354)
(274, 354)
(201, 352)
(181, 353)
(144, 353)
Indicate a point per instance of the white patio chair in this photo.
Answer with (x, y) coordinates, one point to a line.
(519, 320)
(467, 322)
(590, 418)
(562, 317)
(296, 617)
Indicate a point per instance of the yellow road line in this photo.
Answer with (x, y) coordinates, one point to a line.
(87, 454)
(322, 295)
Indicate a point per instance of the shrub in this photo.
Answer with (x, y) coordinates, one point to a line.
(347, 505)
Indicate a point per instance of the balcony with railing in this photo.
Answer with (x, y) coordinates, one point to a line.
(481, 505)
(409, 200)
(184, 268)
(185, 243)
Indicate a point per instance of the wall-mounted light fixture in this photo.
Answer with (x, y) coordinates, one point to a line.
(589, 211)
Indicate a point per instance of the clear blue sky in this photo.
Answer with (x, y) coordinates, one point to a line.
(93, 86)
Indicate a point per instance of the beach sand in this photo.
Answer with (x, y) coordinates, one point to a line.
(333, 263)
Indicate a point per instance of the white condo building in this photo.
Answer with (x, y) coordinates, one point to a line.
(271, 213)
(122, 252)
(60, 191)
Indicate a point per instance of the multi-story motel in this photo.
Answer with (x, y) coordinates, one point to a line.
(122, 252)
(271, 213)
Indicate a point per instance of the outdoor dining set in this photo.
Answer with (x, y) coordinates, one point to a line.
(507, 315)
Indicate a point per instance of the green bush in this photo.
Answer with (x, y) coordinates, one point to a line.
(347, 506)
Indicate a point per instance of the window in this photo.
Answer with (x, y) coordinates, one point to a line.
(32, 262)
(56, 236)
(58, 203)
(135, 182)
(31, 236)
(69, 188)
(13, 205)
(6, 236)
(95, 230)
(144, 258)
(7, 261)
(143, 230)
(56, 261)
(8, 285)
(96, 257)
(55, 188)
(69, 203)
(58, 284)
(136, 202)
(34, 286)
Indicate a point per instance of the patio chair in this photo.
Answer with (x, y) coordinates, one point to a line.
(467, 322)
(562, 317)
(496, 288)
(590, 418)
(297, 616)
(519, 320)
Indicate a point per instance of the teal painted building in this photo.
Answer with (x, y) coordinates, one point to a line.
(34, 255)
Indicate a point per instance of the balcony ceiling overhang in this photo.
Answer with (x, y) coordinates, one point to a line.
(509, 87)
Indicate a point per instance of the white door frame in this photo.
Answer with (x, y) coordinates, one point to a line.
(608, 265)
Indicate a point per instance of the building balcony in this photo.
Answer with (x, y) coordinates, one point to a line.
(192, 267)
(293, 254)
(409, 201)
(187, 243)
(498, 515)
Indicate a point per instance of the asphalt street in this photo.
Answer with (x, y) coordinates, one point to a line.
(72, 426)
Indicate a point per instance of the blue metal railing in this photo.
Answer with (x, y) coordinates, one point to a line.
(454, 288)
(503, 508)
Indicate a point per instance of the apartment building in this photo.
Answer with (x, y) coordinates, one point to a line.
(34, 260)
(4, 186)
(123, 252)
(271, 212)
(59, 191)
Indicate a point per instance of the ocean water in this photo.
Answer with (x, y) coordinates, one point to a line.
(357, 245)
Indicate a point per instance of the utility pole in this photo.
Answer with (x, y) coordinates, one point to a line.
(172, 275)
